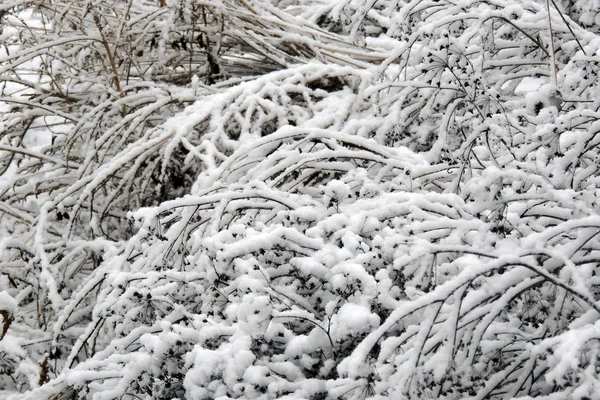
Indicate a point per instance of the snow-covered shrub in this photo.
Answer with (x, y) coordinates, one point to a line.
(586, 12)
(328, 199)
(86, 86)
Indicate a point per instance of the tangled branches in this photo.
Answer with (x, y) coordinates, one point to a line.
(352, 200)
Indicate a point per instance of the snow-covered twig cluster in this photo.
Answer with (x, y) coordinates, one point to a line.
(250, 199)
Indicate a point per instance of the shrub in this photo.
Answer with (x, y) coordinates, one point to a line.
(298, 200)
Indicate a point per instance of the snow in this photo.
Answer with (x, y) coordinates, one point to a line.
(353, 319)
(295, 199)
(8, 303)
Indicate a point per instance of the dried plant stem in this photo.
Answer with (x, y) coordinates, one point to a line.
(569, 27)
(111, 60)
(43, 370)
(552, 52)
(6, 320)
